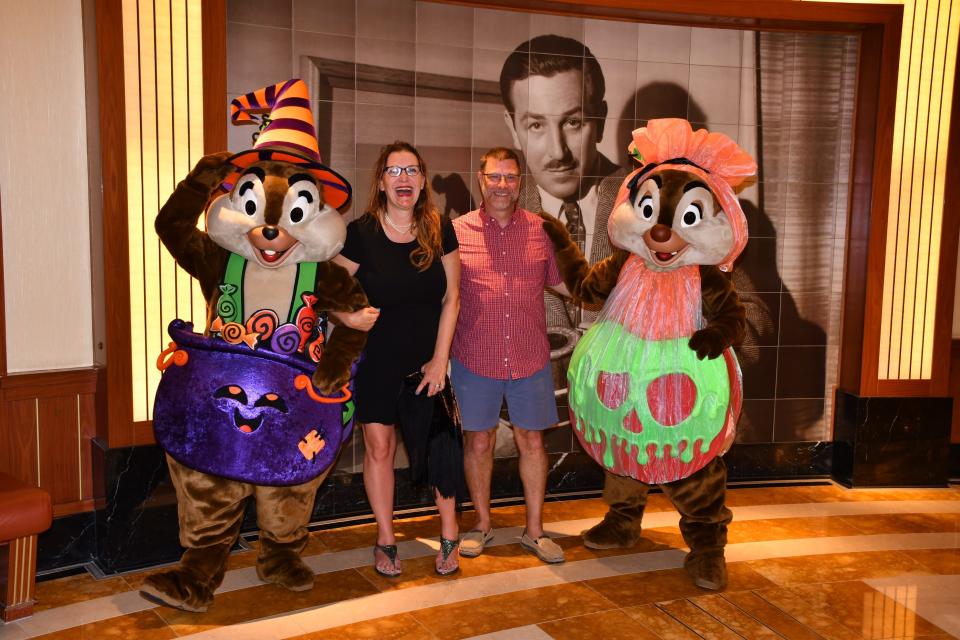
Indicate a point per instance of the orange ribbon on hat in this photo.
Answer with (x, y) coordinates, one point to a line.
(288, 136)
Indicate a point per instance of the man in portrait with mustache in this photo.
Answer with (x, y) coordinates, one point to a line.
(553, 93)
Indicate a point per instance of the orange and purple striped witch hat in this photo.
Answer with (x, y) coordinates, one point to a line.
(289, 136)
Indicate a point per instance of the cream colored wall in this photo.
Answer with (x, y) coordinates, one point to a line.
(44, 186)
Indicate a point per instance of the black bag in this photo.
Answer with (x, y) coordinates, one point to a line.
(433, 437)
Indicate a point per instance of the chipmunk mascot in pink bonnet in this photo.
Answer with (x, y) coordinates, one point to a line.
(258, 405)
(655, 388)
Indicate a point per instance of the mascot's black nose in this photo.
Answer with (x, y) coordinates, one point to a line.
(271, 233)
(660, 233)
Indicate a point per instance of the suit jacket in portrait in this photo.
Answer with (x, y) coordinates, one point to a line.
(559, 313)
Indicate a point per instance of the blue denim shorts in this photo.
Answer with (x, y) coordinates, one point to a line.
(531, 401)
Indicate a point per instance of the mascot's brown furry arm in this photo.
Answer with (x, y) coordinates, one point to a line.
(676, 219)
(205, 260)
(259, 405)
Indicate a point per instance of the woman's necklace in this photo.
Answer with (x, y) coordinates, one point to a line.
(396, 227)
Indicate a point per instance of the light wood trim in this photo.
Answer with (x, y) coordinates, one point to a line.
(118, 398)
(214, 75)
(946, 292)
(787, 15)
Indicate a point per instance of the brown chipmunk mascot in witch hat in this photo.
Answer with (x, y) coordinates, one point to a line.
(655, 388)
(257, 406)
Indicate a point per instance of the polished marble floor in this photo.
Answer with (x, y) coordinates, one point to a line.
(805, 562)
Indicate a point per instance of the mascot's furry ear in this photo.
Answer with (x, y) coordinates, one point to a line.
(287, 135)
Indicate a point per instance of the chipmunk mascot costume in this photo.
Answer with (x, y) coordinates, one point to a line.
(655, 389)
(257, 406)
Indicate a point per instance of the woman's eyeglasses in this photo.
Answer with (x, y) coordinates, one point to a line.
(394, 171)
(495, 178)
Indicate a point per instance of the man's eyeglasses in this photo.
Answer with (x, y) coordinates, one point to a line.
(495, 178)
(394, 171)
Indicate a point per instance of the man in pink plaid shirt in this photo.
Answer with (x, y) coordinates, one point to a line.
(500, 349)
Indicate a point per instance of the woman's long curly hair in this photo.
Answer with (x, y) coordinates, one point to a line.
(426, 219)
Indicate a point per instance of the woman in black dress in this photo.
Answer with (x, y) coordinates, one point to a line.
(406, 258)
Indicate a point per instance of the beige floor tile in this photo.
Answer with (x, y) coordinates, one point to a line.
(400, 627)
(813, 613)
(143, 625)
(79, 588)
(939, 561)
(268, 600)
(786, 528)
(518, 609)
(836, 567)
(609, 625)
(670, 584)
(865, 610)
(905, 523)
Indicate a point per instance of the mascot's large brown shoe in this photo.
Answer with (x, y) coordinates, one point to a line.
(179, 589)
(707, 571)
(191, 584)
(284, 567)
(611, 533)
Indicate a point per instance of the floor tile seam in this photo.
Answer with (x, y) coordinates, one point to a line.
(931, 569)
(802, 509)
(788, 617)
(133, 608)
(467, 593)
(773, 605)
(756, 620)
(662, 607)
(419, 623)
(670, 615)
(696, 602)
(586, 584)
(205, 635)
(237, 578)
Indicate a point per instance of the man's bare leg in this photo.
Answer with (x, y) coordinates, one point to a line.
(533, 474)
(478, 468)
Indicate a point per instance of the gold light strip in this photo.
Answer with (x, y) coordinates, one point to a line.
(945, 68)
(131, 91)
(194, 34)
(918, 171)
(181, 117)
(164, 124)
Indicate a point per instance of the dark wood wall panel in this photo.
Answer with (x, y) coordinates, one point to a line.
(59, 428)
(18, 439)
(49, 420)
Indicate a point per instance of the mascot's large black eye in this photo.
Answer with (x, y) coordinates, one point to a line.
(296, 214)
(250, 207)
(646, 207)
(692, 215)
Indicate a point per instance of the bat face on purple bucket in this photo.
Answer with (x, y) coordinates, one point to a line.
(249, 415)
